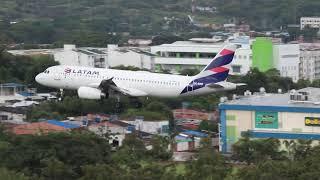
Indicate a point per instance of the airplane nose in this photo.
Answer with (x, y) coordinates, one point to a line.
(38, 78)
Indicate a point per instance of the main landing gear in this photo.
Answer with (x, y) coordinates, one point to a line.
(60, 95)
(118, 105)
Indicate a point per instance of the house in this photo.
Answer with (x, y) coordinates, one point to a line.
(44, 127)
(115, 132)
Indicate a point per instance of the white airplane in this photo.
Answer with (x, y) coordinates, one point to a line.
(97, 83)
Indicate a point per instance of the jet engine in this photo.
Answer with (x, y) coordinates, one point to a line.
(90, 93)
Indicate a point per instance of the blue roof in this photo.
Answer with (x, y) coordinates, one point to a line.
(195, 133)
(179, 138)
(12, 85)
(26, 94)
(63, 124)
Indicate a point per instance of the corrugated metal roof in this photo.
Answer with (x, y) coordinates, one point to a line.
(179, 138)
(26, 94)
(278, 99)
(63, 124)
(12, 85)
(195, 133)
(35, 128)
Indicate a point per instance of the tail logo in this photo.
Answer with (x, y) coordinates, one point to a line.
(214, 72)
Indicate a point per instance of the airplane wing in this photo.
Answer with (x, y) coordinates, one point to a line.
(225, 85)
(110, 84)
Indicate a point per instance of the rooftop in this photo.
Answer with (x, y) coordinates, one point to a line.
(12, 85)
(64, 125)
(190, 43)
(194, 133)
(36, 128)
(279, 100)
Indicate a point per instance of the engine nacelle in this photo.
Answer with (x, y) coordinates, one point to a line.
(90, 93)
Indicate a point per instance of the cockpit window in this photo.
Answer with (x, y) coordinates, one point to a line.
(46, 71)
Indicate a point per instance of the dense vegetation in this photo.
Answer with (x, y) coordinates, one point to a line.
(84, 156)
(23, 69)
(274, 159)
(93, 22)
(80, 155)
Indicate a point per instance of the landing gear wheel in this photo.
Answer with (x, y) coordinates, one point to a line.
(118, 105)
(60, 95)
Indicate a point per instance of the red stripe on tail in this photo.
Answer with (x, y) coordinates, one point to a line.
(225, 52)
(219, 69)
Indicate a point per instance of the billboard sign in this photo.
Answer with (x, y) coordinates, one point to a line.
(312, 121)
(266, 120)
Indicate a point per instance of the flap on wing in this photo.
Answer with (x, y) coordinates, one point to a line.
(215, 86)
(225, 85)
(132, 92)
(109, 84)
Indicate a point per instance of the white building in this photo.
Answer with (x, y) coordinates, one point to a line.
(312, 22)
(287, 58)
(127, 56)
(290, 116)
(196, 55)
(115, 132)
(89, 57)
(309, 61)
(152, 127)
(184, 55)
(242, 61)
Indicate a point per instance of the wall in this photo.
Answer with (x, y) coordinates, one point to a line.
(262, 54)
(310, 64)
(67, 57)
(288, 123)
(129, 58)
(242, 59)
(286, 60)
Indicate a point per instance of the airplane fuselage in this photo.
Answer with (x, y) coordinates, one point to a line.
(96, 83)
(153, 84)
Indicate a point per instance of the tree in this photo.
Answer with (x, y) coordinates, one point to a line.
(309, 34)
(302, 83)
(208, 164)
(11, 175)
(189, 72)
(56, 170)
(100, 172)
(165, 39)
(160, 147)
(208, 126)
(132, 151)
(254, 151)
(316, 83)
(299, 149)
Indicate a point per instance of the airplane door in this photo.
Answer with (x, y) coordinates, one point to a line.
(68, 80)
(57, 77)
(190, 87)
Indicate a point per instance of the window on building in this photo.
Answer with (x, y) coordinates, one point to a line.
(236, 68)
(207, 55)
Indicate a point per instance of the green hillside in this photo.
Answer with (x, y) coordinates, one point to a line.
(89, 22)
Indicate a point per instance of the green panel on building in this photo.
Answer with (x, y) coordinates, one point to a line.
(262, 54)
(266, 120)
(231, 117)
(231, 134)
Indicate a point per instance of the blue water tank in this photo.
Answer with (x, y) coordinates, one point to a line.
(97, 119)
(85, 122)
